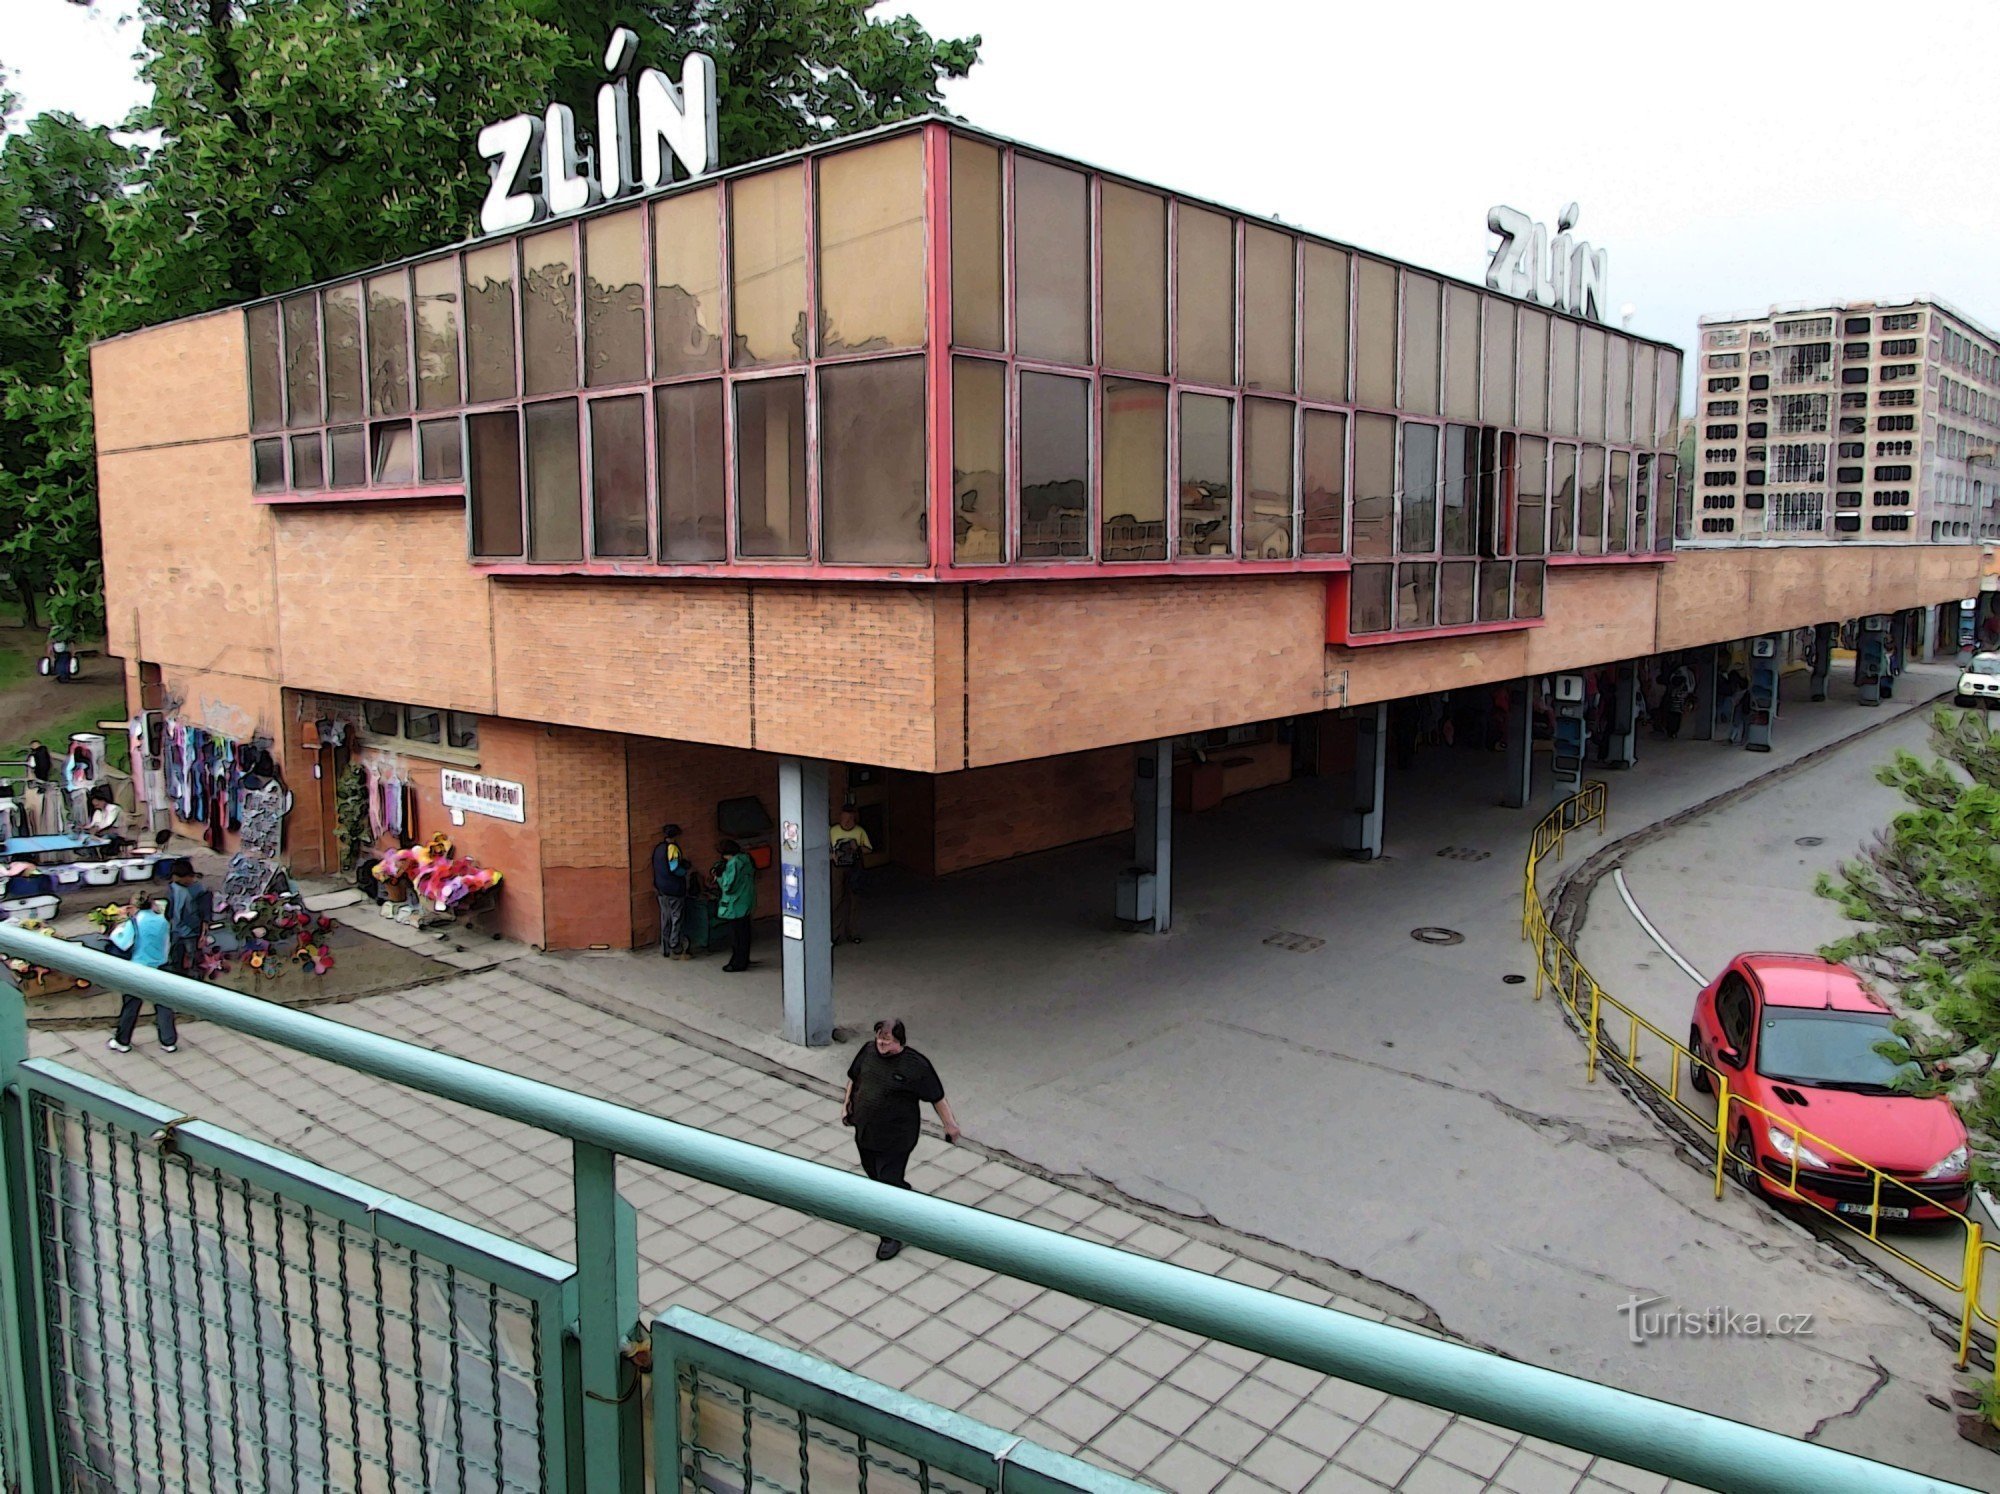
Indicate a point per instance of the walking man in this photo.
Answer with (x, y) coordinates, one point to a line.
(885, 1082)
(190, 906)
(143, 935)
(735, 901)
(670, 881)
(849, 844)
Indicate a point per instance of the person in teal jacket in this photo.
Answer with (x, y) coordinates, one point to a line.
(736, 900)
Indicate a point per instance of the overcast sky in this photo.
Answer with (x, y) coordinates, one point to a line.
(1728, 155)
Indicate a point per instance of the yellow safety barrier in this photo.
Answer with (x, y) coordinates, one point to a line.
(1613, 1032)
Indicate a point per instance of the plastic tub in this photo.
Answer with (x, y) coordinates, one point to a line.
(19, 908)
(100, 874)
(70, 875)
(138, 869)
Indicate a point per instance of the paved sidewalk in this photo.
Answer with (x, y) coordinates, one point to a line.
(1182, 1413)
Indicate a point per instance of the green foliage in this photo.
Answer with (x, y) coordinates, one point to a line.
(117, 749)
(350, 810)
(304, 139)
(1926, 897)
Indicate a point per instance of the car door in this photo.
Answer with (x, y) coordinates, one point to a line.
(1736, 1019)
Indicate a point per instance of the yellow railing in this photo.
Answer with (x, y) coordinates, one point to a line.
(1647, 1054)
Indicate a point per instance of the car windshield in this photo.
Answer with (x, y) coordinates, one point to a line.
(1835, 1050)
(1986, 664)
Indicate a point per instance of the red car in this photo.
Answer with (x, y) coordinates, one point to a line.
(1796, 1035)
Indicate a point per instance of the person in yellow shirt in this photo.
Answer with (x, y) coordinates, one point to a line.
(850, 844)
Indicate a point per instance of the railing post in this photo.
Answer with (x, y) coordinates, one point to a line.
(1974, 1261)
(24, 1361)
(1721, 1128)
(607, 1253)
(1590, 1062)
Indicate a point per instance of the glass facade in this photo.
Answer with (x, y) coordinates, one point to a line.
(748, 372)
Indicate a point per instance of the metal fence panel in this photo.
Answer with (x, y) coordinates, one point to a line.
(735, 1413)
(222, 1316)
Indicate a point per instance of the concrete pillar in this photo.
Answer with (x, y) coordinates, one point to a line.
(805, 900)
(1928, 634)
(1520, 785)
(1823, 636)
(1153, 825)
(1705, 676)
(1621, 746)
(1361, 825)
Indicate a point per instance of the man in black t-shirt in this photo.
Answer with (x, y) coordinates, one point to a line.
(885, 1084)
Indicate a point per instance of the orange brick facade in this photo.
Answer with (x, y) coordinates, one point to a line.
(1000, 717)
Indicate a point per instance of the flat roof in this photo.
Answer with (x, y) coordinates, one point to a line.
(958, 126)
(1938, 303)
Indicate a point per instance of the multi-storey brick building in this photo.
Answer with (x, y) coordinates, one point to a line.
(1870, 420)
(988, 491)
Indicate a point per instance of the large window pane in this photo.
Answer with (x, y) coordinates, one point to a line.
(555, 482)
(1135, 471)
(1666, 500)
(437, 335)
(1645, 388)
(1323, 368)
(1051, 261)
(389, 344)
(1496, 402)
(1457, 532)
(340, 320)
(1205, 296)
(1532, 380)
(307, 469)
(1208, 486)
(302, 361)
(548, 312)
(1416, 594)
(493, 441)
(267, 374)
(1055, 466)
(1323, 481)
(1531, 511)
(1371, 590)
(1461, 353)
(347, 456)
(687, 425)
(771, 467)
(618, 476)
(978, 318)
(395, 459)
(1267, 479)
(1375, 334)
(1590, 383)
(871, 441)
(1269, 308)
(978, 461)
(1135, 279)
(1562, 377)
(767, 270)
(871, 247)
(1618, 504)
(1456, 583)
(1528, 576)
(614, 299)
(687, 284)
(1423, 310)
(1590, 502)
(1416, 532)
(267, 462)
(1666, 430)
(489, 323)
(1618, 390)
(1495, 590)
(1374, 485)
(1562, 499)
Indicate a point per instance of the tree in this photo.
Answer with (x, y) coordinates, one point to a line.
(1926, 894)
(58, 179)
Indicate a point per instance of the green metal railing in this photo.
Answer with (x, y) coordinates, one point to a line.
(734, 1412)
(606, 1454)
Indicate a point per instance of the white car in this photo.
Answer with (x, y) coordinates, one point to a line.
(1979, 685)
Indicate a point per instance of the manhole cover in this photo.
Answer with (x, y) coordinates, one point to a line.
(1297, 943)
(1431, 935)
(1463, 853)
(1513, 980)
(1810, 840)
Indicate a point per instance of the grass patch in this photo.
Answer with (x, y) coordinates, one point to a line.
(14, 666)
(57, 733)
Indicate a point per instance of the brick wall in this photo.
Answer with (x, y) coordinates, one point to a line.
(186, 381)
(846, 673)
(989, 814)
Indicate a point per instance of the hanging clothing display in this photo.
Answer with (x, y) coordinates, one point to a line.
(391, 803)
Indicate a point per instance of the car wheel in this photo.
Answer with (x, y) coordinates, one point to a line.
(1743, 1154)
(1698, 1071)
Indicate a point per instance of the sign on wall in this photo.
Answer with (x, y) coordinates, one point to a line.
(1570, 276)
(644, 125)
(493, 797)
